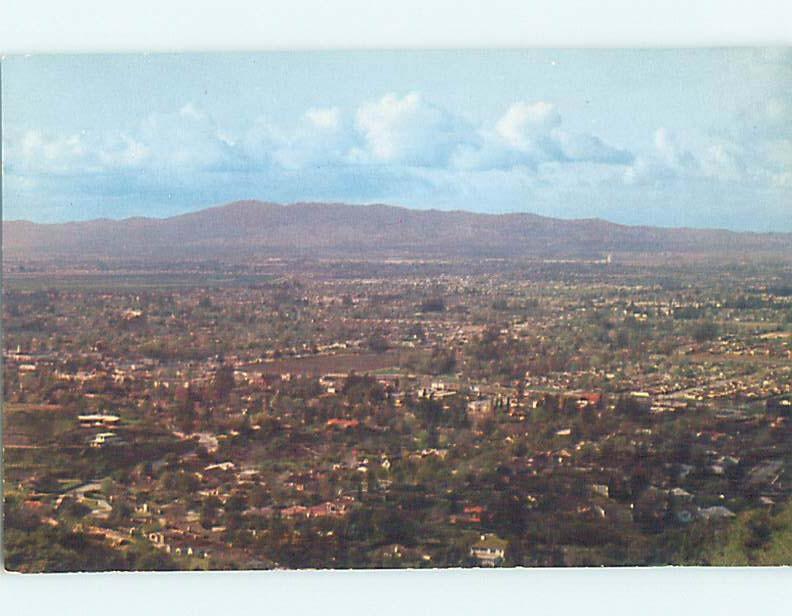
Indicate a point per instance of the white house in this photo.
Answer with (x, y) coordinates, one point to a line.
(489, 551)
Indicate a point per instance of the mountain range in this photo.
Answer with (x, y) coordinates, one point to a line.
(246, 229)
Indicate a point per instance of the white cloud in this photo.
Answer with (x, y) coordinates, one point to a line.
(34, 151)
(673, 158)
(525, 123)
(186, 141)
(409, 131)
(322, 138)
(672, 153)
(405, 131)
(261, 142)
(649, 169)
(756, 149)
(723, 161)
(400, 148)
(590, 148)
(324, 118)
(528, 132)
(528, 135)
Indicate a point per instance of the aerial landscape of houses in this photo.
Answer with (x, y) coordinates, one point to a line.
(507, 309)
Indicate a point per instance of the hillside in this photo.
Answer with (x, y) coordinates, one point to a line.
(251, 228)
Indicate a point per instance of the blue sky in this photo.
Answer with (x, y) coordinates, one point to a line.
(699, 137)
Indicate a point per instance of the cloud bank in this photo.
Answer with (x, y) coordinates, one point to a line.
(404, 149)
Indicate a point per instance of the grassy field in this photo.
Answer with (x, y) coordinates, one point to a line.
(757, 538)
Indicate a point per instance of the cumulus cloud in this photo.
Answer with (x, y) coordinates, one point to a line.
(184, 141)
(531, 134)
(322, 138)
(665, 161)
(523, 135)
(409, 131)
(400, 148)
(756, 149)
(524, 124)
(188, 139)
(261, 142)
(396, 131)
(724, 161)
(32, 151)
(590, 148)
(672, 153)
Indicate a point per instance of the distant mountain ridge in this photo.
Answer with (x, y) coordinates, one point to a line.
(244, 229)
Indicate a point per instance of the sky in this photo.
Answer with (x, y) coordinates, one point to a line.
(698, 137)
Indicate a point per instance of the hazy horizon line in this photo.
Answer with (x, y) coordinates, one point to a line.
(251, 201)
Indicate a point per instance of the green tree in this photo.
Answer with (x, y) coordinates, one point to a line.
(223, 382)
